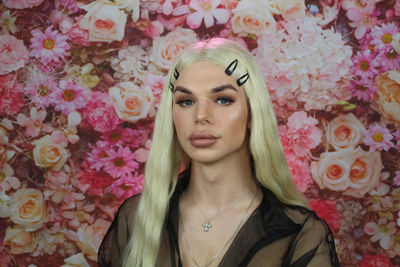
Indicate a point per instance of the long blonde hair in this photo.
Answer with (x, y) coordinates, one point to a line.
(164, 160)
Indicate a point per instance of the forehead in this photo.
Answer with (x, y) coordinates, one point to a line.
(204, 75)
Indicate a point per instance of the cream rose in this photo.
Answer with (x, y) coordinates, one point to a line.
(254, 16)
(131, 102)
(352, 172)
(28, 209)
(48, 154)
(167, 48)
(365, 172)
(345, 131)
(104, 20)
(387, 96)
(331, 171)
(19, 240)
(90, 237)
(291, 9)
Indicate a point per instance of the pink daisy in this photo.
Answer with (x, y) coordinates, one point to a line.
(364, 64)
(98, 157)
(365, 43)
(121, 162)
(363, 89)
(388, 60)
(70, 97)
(207, 10)
(378, 138)
(49, 47)
(126, 187)
(397, 138)
(41, 88)
(383, 35)
(130, 137)
(396, 179)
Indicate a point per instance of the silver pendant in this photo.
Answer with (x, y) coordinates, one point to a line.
(206, 226)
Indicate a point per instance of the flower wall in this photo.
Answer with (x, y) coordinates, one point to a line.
(80, 83)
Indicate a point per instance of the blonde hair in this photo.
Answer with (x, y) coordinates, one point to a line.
(162, 167)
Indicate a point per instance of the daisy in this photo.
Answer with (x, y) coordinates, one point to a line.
(207, 10)
(363, 89)
(383, 35)
(364, 64)
(131, 137)
(121, 163)
(388, 60)
(49, 47)
(41, 88)
(126, 187)
(378, 138)
(70, 97)
(98, 157)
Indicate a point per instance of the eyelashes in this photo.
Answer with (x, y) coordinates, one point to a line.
(221, 100)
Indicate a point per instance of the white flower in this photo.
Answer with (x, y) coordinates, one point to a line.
(131, 63)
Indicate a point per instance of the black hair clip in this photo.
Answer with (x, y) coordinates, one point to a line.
(242, 79)
(176, 74)
(171, 86)
(231, 68)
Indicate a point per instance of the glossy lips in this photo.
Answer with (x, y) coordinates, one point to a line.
(201, 139)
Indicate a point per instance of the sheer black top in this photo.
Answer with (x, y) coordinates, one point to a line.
(274, 235)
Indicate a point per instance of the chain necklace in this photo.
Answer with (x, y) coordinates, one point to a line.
(226, 243)
(207, 224)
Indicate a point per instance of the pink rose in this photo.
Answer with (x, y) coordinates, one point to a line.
(79, 36)
(21, 4)
(13, 54)
(104, 21)
(352, 172)
(344, 132)
(167, 48)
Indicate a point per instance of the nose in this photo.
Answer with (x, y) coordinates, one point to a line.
(203, 112)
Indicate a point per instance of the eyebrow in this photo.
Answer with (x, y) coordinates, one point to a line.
(213, 91)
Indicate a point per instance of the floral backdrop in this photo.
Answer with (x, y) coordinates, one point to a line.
(80, 83)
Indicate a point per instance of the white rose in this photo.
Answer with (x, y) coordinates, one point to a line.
(131, 102)
(48, 154)
(345, 131)
(167, 48)
(254, 16)
(104, 21)
(90, 237)
(27, 209)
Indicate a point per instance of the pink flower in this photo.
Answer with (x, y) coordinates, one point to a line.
(150, 28)
(388, 60)
(383, 35)
(21, 4)
(100, 113)
(70, 97)
(300, 170)
(364, 64)
(375, 261)
(362, 19)
(11, 95)
(33, 124)
(120, 162)
(41, 88)
(127, 186)
(381, 231)
(327, 210)
(207, 10)
(13, 54)
(77, 35)
(97, 181)
(378, 138)
(49, 47)
(120, 135)
(156, 84)
(397, 138)
(363, 89)
(70, 4)
(396, 179)
(98, 157)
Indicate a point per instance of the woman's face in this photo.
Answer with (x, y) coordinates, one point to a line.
(210, 113)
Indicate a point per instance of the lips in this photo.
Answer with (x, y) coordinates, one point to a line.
(201, 139)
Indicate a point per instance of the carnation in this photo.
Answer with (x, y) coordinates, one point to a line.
(375, 261)
(306, 63)
(11, 95)
(13, 54)
(97, 181)
(327, 210)
(100, 113)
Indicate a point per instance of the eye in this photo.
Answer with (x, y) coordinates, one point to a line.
(184, 102)
(223, 100)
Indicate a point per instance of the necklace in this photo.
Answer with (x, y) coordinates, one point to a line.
(226, 243)
(207, 224)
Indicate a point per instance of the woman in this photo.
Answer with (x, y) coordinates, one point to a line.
(235, 204)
